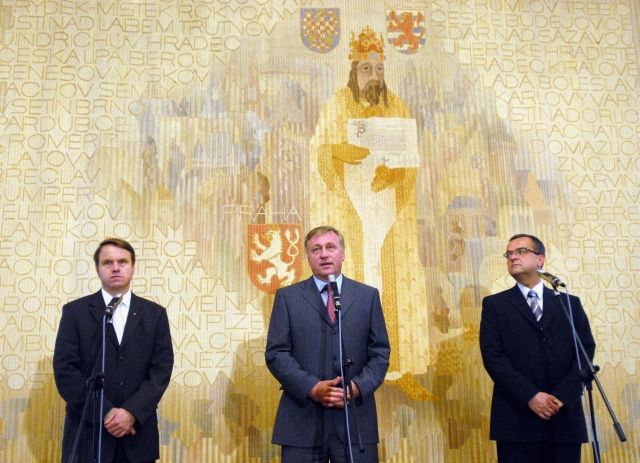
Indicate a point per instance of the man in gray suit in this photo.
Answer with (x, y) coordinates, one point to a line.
(302, 353)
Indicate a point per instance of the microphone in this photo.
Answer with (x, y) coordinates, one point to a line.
(335, 292)
(551, 279)
(113, 305)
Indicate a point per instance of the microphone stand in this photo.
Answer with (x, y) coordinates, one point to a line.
(345, 363)
(99, 429)
(587, 375)
(95, 387)
(92, 385)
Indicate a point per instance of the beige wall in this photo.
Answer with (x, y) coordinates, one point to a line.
(177, 124)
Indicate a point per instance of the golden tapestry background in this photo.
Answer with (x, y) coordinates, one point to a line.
(182, 126)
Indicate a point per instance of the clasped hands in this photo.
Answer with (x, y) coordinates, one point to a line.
(329, 393)
(545, 405)
(119, 422)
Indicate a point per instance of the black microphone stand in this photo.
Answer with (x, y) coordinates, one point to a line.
(95, 389)
(588, 375)
(93, 383)
(345, 363)
(99, 429)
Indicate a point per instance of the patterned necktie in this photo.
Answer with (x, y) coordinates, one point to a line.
(330, 304)
(533, 303)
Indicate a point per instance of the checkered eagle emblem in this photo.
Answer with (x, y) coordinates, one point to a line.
(320, 28)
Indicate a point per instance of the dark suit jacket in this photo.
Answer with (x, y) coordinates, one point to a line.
(137, 372)
(524, 357)
(302, 349)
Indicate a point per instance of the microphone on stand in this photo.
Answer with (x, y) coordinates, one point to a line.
(551, 279)
(346, 383)
(113, 305)
(335, 292)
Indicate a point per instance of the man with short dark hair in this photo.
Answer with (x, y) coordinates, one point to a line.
(528, 350)
(302, 353)
(138, 363)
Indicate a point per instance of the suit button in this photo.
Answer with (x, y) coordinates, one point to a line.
(120, 357)
(121, 383)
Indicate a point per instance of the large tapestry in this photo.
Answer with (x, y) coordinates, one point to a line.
(212, 135)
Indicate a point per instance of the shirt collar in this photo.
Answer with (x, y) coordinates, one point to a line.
(539, 288)
(321, 284)
(126, 298)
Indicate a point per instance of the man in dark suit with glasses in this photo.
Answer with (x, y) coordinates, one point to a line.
(528, 350)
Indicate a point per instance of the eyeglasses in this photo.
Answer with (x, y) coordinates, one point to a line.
(519, 252)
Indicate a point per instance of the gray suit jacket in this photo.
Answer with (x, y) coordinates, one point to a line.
(302, 349)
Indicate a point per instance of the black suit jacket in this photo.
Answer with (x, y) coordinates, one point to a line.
(302, 349)
(524, 357)
(137, 372)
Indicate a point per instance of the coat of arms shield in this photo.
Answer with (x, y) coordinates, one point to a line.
(406, 30)
(320, 28)
(274, 256)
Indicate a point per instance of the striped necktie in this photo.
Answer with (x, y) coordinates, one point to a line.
(533, 303)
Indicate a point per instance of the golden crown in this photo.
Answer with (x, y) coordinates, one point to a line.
(367, 46)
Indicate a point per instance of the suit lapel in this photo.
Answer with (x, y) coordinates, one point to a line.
(136, 311)
(518, 300)
(550, 307)
(311, 294)
(348, 295)
(97, 308)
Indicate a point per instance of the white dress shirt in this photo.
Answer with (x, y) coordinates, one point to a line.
(120, 314)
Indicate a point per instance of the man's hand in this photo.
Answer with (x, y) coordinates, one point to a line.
(545, 405)
(348, 153)
(119, 422)
(329, 393)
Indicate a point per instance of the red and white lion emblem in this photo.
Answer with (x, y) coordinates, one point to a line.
(406, 30)
(275, 255)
